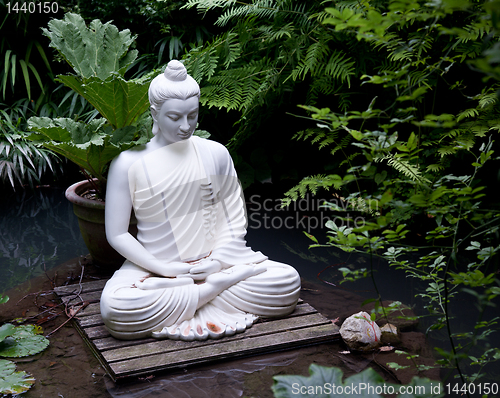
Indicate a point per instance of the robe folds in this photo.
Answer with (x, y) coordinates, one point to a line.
(189, 205)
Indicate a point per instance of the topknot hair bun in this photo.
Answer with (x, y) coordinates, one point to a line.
(175, 71)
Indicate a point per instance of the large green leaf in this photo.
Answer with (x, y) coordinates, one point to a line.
(120, 101)
(3, 299)
(326, 382)
(69, 138)
(12, 382)
(92, 145)
(65, 130)
(6, 331)
(25, 341)
(95, 51)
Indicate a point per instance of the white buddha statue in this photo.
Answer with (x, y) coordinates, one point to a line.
(189, 274)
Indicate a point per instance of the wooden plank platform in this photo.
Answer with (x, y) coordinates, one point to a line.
(122, 359)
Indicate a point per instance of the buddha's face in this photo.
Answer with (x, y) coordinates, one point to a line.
(177, 119)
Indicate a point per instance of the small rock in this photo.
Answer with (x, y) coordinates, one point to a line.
(360, 333)
(390, 334)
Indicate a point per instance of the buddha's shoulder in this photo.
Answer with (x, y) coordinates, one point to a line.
(130, 156)
(214, 147)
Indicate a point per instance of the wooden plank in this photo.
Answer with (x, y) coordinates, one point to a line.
(109, 343)
(91, 320)
(100, 332)
(125, 358)
(94, 319)
(96, 332)
(86, 287)
(259, 329)
(91, 309)
(93, 297)
(250, 346)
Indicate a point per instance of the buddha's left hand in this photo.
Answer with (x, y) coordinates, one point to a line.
(202, 269)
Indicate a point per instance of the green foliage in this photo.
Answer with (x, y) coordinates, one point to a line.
(270, 55)
(22, 56)
(22, 341)
(91, 146)
(97, 51)
(164, 30)
(120, 101)
(12, 65)
(12, 382)
(327, 382)
(21, 161)
(3, 299)
(6, 331)
(99, 55)
(417, 160)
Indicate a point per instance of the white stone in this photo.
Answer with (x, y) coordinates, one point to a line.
(360, 333)
(390, 334)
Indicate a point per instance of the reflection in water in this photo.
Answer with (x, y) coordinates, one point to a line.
(220, 381)
(37, 230)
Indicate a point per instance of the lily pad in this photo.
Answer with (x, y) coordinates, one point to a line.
(26, 340)
(12, 382)
(6, 331)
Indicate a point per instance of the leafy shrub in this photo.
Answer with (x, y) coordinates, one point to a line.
(99, 55)
(417, 162)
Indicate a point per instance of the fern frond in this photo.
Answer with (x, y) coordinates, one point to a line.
(271, 33)
(435, 168)
(231, 49)
(403, 166)
(488, 100)
(312, 184)
(472, 112)
(447, 150)
(350, 158)
(340, 66)
(312, 62)
(343, 143)
(258, 9)
(201, 63)
(237, 88)
(206, 5)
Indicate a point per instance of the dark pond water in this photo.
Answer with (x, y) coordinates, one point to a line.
(38, 233)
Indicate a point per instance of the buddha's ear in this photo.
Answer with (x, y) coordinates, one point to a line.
(154, 113)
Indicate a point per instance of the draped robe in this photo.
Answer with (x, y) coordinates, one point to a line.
(188, 203)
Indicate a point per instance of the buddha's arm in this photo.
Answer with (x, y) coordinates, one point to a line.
(117, 219)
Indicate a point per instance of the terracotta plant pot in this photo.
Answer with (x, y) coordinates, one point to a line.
(90, 215)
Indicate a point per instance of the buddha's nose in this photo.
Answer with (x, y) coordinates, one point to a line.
(184, 126)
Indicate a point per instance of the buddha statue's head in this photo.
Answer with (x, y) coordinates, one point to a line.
(174, 83)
